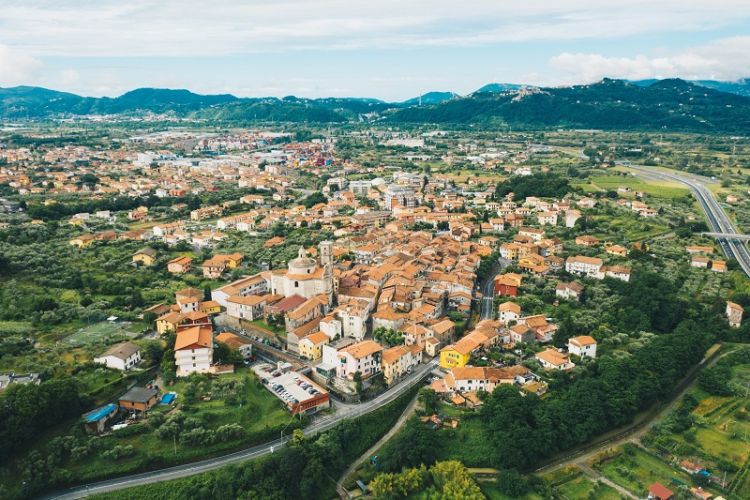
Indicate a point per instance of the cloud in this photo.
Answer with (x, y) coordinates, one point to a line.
(724, 59)
(189, 28)
(16, 67)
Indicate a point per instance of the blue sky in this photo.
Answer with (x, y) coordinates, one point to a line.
(380, 48)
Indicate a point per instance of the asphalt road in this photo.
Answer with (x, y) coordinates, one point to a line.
(486, 309)
(319, 424)
(716, 216)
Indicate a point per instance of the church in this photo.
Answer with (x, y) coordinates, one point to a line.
(304, 276)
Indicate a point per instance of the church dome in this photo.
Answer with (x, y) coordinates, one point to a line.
(302, 264)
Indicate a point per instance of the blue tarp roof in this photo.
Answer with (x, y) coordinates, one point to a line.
(100, 413)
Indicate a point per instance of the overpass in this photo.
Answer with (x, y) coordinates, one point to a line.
(727, 235)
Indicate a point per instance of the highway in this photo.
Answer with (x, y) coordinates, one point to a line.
(318, 424)
(717, 219)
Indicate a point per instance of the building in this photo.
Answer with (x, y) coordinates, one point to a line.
(304, 276)
(583, 346)
(145, 257)
(584, 266)
(476, 378)
(179, 265)
(507, 285)
(188, 299)
(311, 347)
(658, 491)
(249, 307)
(194, 350)
(363, 357)
(243, 345)
(551, 359)
(734, 314)
(403, 196)
(400, 360)
(569, 291)
(213, 268)
(138, 399)
(121, 356)
(508, 311)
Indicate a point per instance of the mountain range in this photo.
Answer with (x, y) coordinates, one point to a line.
(671, 104)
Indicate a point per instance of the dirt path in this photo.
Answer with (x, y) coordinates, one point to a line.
(408, 412)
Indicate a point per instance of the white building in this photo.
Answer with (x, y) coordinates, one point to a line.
(550, 359)
(508, 311)
(582, 346)
(363, 357)
(303, 275)
(194, 350)
(585, 266)
(353, 317)
(121, 356)
(251, 285)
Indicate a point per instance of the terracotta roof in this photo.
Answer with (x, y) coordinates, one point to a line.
(583, 340)
(317, 338)
(363, 349)
(197, 335)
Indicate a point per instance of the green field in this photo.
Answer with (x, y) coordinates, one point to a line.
(104, 331)
(657, 188)
(635, 469)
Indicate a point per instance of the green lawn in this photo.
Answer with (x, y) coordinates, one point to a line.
(104, 331)
(583, 487)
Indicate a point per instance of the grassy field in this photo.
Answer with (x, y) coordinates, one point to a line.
(104, 331)
(657, 188)
(635, 469)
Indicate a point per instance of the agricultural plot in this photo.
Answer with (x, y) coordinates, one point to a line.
(104, 332)
(658, 188)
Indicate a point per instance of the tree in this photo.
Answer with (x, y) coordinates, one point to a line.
(358, 382)
(429, 399)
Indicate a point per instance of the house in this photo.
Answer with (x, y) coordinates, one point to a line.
(699, 261)
(243, 345)
(458, 354)
(249, 307)
(121, 356)
(138, 399)
(569, 291)
(621, 273)
(231, 261)
(188, 299)
(95, 421)
(507, 285)
(443, 330)
(311, 347)
(476, 378)
(398, 361)
(508, 311)
(363, 357)
(734, 314)
(719, 266)
(658, 491)
(179, 265)
(585, 266)
(617, 250)
(587, 241)
(582, 346)
(82, 241)
(551, 359)
(194, 350)
(521, 333)
(213, 268)
(145, 257)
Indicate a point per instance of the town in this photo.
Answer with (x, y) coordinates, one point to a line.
(207, 291)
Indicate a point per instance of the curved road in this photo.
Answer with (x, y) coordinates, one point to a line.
(343, 411)
(717, 218)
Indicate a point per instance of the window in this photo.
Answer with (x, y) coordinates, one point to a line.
(296, 284)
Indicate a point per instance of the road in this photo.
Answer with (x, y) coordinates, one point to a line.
(321, 424)
(717, 218)
(486, 309)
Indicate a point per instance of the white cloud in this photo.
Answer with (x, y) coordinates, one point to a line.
(112, 28)
(724, 59)
(16, 67)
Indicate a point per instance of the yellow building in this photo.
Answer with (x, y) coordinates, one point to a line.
(169, 322)
(210, 307)
(450, 357)
(311, 347)
(146, 257)
(82, 241)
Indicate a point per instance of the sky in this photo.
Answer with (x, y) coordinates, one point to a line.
(388, 49)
